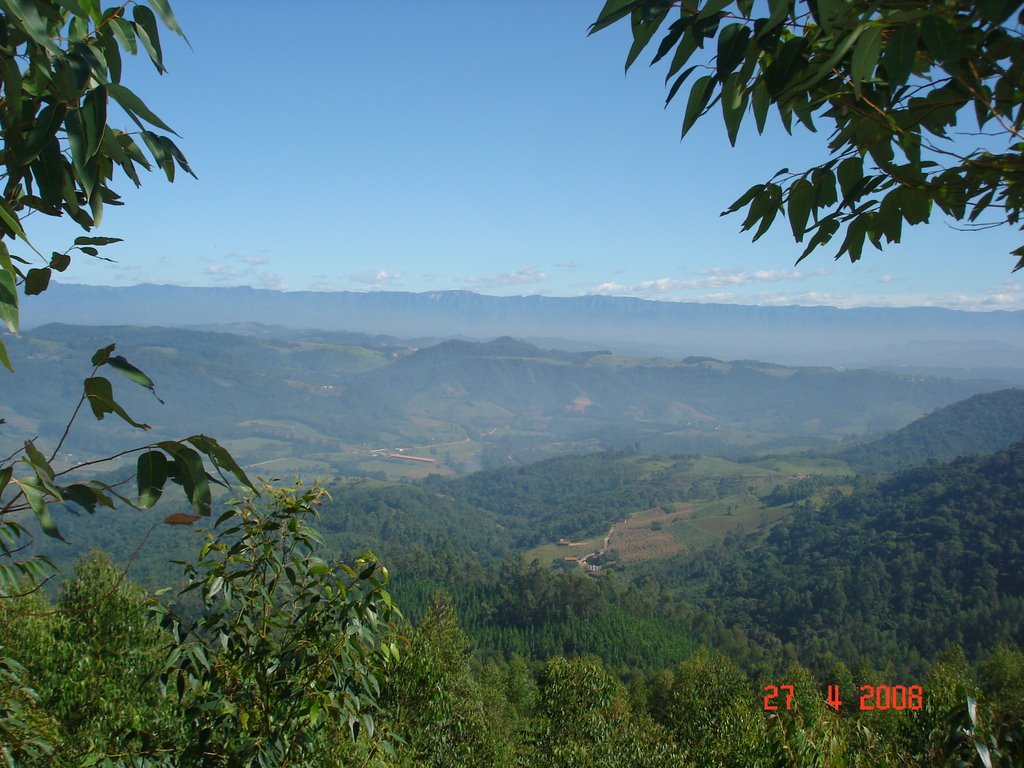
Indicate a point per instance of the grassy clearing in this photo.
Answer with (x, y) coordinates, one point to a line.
(797, 465)
(549, 553)
(647, 535)
(397, 469)
(713, 466)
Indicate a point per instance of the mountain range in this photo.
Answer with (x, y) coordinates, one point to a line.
(965, 344)
(323, 402)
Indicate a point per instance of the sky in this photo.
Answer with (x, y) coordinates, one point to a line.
(490, 147)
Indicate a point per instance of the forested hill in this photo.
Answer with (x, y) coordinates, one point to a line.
(981, 424)
(930, 557)
(327, 404)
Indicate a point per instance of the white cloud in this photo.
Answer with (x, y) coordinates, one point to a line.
(375, 278)
(719, 277)
(228, 274)
(524, 276)
(1006, 296)
(222, 273)
(609, 289)
(968, 302)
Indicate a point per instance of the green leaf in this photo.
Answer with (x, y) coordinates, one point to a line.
(801, 200)
(778, 10)
(220, 457)
(151, 475)
(613, 11)
(981, 204)
(789, 64)
(763, 205)
(734, 105)
(915, 205)
(900, 53)
(88, 496)
(12, 82)
(37, 281)
(48, 169)
(76, 140)
(686, 48)
(732, 48)
(118, 363)
(4, 358)
(678, 82)
(771, 210)
(941, 39)
(60, 261)
(826, 11)
(712, 7)
(188, 471)
(97, 240)
(163, 10)
(38, 461)
(101, 400)
(100, 356)
(675, 31)
(700, 95)
(785, 92)
(824, 187)
(11, 220)
(159, 152)
(744, 199)
(645, 24)
(997, 11)
(111, 52)
(824, 231)
(865, 57)
(853, 244)
(149, 36)
(45, 128)
(124, 31)
(5, 477)
(135, 107)
(26, 13)
(889, 220)
(9, 300)
(37, 500)
(760, 101)
(93, 115)
(850, 172)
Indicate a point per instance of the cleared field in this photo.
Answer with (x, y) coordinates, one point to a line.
(712, 466)
(549, 553)
(803, 466)
(396, 469)
(645, 535)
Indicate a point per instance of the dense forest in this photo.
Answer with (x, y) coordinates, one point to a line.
(980, 424)
(101, 693)
(699, 573)
(907, 580)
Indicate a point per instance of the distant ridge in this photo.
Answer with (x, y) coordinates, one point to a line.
(981, 424)
(792, 335)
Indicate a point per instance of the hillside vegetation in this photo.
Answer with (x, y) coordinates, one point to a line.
(323, 404)
(981, 424)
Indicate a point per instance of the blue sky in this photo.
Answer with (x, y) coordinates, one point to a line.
(491, 147)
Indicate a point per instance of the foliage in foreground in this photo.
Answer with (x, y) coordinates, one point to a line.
(893, 82)
(276, 672)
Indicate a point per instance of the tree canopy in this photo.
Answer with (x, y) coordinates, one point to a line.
(60, 71)
(895, 83)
